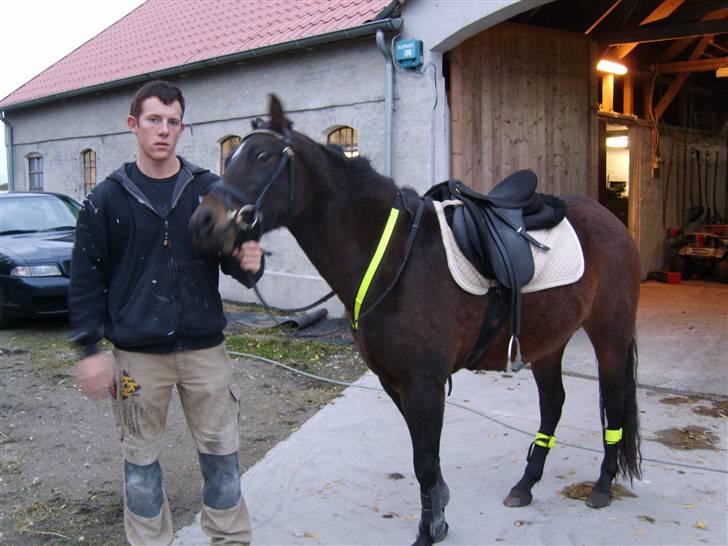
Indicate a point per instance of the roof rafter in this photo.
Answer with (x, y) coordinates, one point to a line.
(677, 84)
(663, 10)
(681, 45)
(659, 33)
(602, 16)
(700, 65)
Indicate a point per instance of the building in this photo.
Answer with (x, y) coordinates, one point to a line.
(503, 85)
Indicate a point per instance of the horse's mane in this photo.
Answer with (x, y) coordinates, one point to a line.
(358, 166)
(360, 169)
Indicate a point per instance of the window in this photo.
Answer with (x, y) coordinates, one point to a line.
(347, 138)
(35, 172)
(227, 145)
(89, 170)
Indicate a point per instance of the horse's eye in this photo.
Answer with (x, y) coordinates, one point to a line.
(263, 156)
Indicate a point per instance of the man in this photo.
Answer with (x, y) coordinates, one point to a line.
(138, 281)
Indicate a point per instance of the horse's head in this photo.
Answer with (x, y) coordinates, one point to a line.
(256, 192)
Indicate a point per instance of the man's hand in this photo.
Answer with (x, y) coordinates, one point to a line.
(249, 255)
(95, 374)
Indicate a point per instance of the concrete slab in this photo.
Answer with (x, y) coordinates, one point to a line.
(337, 480)
(682, 338)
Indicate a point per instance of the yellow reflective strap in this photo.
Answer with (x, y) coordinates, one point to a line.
(612, 436)
(544, 440)
(374, 265)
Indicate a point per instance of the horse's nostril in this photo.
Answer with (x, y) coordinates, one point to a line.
(206, 219)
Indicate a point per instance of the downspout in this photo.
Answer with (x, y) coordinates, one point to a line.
(388, 101)
(9, 151)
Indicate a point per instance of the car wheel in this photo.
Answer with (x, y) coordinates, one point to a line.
(723, 271)
(682, 265)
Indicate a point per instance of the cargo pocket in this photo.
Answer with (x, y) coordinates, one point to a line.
(235, 402)
(116, 408)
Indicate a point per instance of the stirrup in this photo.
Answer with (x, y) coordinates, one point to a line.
(514, 365)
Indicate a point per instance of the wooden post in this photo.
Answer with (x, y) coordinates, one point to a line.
(628, 95)
(607, 93)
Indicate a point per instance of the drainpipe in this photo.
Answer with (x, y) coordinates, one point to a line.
(9, 150)
(388, 101)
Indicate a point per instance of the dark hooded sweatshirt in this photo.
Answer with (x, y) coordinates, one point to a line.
(136, 279)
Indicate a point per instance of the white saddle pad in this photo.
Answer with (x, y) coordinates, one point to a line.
(562, 265)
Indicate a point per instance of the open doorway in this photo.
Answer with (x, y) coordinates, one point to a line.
(614, 169)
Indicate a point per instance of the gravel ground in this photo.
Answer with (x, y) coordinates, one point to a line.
(60, 463)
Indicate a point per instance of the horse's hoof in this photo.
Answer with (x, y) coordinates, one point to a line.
(423, 538)
(598, 499)
(438, 531)
(517, 498)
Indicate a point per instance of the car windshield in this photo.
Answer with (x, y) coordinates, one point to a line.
(37, 213)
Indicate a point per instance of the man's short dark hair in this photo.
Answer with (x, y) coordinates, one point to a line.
(164, 91)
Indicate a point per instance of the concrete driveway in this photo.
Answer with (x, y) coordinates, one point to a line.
(346, 476)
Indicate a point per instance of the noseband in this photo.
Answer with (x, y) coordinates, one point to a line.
(245, 217)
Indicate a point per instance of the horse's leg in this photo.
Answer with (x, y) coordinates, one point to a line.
(618, 399)
(393, 394)
(423, 407)
(551, 396)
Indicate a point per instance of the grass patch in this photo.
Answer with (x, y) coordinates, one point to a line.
(286, 350)
(339, 362)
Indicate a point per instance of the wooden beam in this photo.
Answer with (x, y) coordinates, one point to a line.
(677, 84)
(718, 46)
(722, 72)
(664, 9)
(609, 10)
(702, 10)
(662, 33)
(679, 46)
(700, 65)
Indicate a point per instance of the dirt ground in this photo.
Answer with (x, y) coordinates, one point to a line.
(60, 462)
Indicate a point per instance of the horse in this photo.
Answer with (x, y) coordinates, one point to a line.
(423, 326)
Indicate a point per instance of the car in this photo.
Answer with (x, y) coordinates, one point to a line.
(37, 231)
(703, 251)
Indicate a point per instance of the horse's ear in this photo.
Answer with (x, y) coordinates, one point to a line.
(257, 123)
(278, 119)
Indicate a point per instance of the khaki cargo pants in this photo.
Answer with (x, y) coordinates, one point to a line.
(210, 401)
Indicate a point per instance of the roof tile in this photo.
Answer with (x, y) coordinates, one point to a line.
(160, 34)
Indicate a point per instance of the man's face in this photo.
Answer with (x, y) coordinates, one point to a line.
(157, 128)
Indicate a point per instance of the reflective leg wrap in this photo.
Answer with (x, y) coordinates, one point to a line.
(222, 480)
(612, 436)
(143, 486)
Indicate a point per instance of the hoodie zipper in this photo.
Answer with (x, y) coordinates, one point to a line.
(179, 327)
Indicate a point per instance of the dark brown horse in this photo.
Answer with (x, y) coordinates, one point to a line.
(426, 326)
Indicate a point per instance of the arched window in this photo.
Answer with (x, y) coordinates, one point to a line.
(347, 138)
(89, 170)
(35, 172)
(227, 145)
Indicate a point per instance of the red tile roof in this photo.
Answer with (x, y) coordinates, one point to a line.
(161, 34)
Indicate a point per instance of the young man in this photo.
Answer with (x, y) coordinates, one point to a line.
(138, 281)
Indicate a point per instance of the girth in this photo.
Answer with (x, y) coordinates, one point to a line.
(491, 231)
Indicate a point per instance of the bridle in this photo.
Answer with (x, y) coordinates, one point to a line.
(245, 217)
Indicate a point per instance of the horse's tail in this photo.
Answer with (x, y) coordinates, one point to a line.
(629, 454)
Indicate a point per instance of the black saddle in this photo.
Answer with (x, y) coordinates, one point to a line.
(491, 231)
